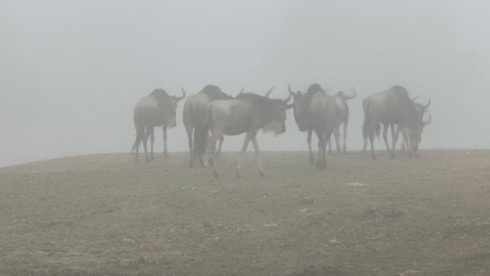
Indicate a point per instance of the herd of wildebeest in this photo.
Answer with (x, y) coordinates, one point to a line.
(211, 114)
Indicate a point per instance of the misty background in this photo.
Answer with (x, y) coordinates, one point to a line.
(72, 71)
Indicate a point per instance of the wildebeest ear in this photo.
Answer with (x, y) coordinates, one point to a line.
(288, 106)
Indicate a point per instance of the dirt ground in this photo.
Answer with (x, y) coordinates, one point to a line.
(104, 215)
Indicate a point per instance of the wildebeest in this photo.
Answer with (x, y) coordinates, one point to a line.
(316, 111)
(247, 113)
(341, 100)
(156, 109)
(392, 106)
(194, 115)
(395, 130)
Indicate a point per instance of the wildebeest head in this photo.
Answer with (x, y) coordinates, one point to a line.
(416, 133)
(168, 105)
(270, 112)
(278, 108)
(300, 107)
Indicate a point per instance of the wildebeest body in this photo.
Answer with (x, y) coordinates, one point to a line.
(156, 109)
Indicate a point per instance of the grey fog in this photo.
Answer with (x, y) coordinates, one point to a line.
(71, 72)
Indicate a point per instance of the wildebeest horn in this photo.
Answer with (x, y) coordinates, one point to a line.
(352, 95)
(269, 91)
(414, 98)
(183, 95)
(427, 105)
(428, 122)
(285, 101)
(289, 89)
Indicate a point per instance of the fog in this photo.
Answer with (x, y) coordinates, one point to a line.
(72, 71)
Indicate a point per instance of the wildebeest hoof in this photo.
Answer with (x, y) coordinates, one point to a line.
(312, 161)
(216, 174)
(262, 174)
(166, 155)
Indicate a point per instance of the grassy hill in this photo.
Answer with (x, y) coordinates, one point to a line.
(103, 214)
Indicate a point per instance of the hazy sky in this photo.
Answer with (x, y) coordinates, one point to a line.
(72, 71)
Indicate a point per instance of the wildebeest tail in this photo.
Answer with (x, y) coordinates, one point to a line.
(140, 131)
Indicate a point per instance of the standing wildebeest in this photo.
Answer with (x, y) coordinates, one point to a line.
(247, 113)
(156, 109)
(341, 100)
(316, 111)
(395, 132)
(194, 115)
(392, 106)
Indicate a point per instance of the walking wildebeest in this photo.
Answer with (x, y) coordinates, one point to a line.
(392, 106)
(194, 118)
(156, 109)
(341, 100)
(247, 113)
(316, 111)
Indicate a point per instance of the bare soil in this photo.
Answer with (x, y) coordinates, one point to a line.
(105, 215)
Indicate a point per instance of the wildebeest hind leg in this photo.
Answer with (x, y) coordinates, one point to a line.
(242, 154)
(145, 140)
(165, 152)
(385, 138)
(257, 153)
(308, 140)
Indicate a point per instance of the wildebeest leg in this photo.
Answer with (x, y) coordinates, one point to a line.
(322, 148)
(308, 140)
(140, 132)
(336, 134)
(189, 130)
(145, 140)
(152, 141)
(212, 152)
(394, 137)
(257, 153)
(344, 148)
(328, 135)
(406, 140)
(370, 134)
(165, 152)
(220, 141)
(385, 138)
(329, 142)
(242, 153)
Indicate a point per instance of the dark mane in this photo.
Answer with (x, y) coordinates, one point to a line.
(257, 100)
(214, 92)
(159, 92)
(312, 90)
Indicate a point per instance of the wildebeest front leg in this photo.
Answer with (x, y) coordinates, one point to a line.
(385, 138)
(336, 134)
(220, 144)
(145, 140)
(189, 131)
(212, 153)
(165, 152)
(257, 153)
(322, 146)
(344, 148)
(406, 140)
(394, 137)
(242, 154)
(152, 141)
(308, 140)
